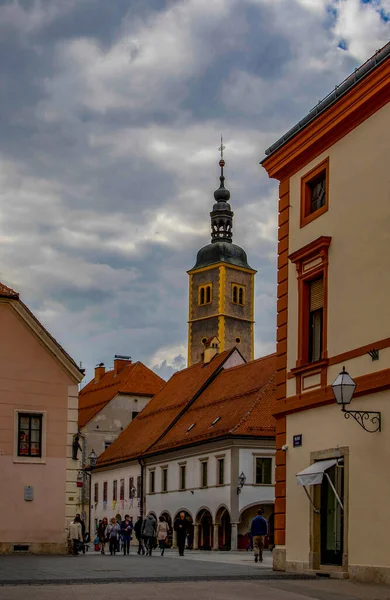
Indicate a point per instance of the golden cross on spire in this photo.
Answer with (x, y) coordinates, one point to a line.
(221, 148)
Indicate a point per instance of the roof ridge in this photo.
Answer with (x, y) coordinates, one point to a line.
(229, 398)
(11, 293)
(134, 368)
(249, 363)
(256, 401)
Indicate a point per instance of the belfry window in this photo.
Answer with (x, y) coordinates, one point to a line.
(238, 294)
(205, 294)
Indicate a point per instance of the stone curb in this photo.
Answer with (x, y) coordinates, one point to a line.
(268, 575)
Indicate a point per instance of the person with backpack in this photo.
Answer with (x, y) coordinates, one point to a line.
(112, 532)
(259, 529)
(149, 533)
(126, 530)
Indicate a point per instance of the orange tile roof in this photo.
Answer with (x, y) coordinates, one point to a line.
(244, 398)
(6, 292)
(151, 423)
(135, 379)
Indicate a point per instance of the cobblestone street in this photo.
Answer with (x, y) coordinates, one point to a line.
(215, 575)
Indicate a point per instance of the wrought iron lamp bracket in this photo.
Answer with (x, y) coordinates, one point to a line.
(365, 417)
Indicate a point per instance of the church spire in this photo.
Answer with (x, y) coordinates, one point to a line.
(221, 215)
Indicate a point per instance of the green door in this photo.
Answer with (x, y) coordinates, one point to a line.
(332, 525)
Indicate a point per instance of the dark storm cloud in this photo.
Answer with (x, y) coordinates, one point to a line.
(110, 122)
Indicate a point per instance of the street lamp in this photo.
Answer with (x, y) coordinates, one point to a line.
(92, 459)
(343, 389)
(88, 471)
(241, 482)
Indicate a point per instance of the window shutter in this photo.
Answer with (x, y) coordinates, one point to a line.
(316, 294)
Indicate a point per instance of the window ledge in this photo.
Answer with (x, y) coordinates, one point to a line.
(310, 366)
(263, 484)
(30, 461)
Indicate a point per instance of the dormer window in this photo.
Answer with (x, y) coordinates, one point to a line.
(238, 294)
(190, 427)
(215, 421)
(205, 295)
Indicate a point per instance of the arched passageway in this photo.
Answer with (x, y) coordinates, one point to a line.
(246, 517)
(224, 529)
(204, 522)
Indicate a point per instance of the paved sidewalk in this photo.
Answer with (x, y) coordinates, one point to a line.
(92, 568)
(210, 590)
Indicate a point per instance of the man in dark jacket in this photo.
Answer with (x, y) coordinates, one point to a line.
(138, 535)
(259, 529)
(181, 526)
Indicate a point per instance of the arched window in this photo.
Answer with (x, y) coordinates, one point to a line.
(208, 294)
(241, 295)
(235, 294)
(202, 294)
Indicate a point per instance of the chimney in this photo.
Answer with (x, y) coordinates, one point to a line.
(120, 362)
(211, 348)
(100, 369)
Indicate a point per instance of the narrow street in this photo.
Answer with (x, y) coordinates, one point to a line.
(206, 575)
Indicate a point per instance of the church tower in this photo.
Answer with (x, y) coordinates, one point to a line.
(221, 287)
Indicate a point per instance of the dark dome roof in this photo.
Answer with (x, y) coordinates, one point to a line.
(221, 252)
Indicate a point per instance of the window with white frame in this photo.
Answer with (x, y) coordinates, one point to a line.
(182, 477)
(220, 471)
(164, 479)
(203, 474)
(30, 435)
(152, 482)
(263, 473)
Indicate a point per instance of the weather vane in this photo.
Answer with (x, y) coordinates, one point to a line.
(221, 148)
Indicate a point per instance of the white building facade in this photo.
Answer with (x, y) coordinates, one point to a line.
(204, 482)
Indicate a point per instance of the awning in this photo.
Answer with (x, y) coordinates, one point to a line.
(314, 474)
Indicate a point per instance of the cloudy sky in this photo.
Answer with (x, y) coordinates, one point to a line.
(111, 114)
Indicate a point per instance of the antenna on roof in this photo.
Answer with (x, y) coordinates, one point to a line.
(122, 357)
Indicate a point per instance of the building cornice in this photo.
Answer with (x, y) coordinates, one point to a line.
(350, 110)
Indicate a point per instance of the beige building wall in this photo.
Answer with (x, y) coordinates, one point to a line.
(32, 380)
(366, 508)
(358, 221)
(359, 259)
(109, 423)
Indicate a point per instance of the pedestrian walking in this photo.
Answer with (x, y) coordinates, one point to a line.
(112, 532)
(138, 535)
(181, 526)
(75, 534)
(102, 533)
(126, 530)
(259, 529)
(85, 536)
(149, 533)
(162, 534)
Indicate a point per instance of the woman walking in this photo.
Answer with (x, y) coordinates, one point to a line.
(126, 529)
(162, 534)
(112, 532)
(102, 533)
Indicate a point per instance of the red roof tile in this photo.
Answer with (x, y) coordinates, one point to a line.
(6, 292)
(161, 411)
(135, 379)
(243, 398)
